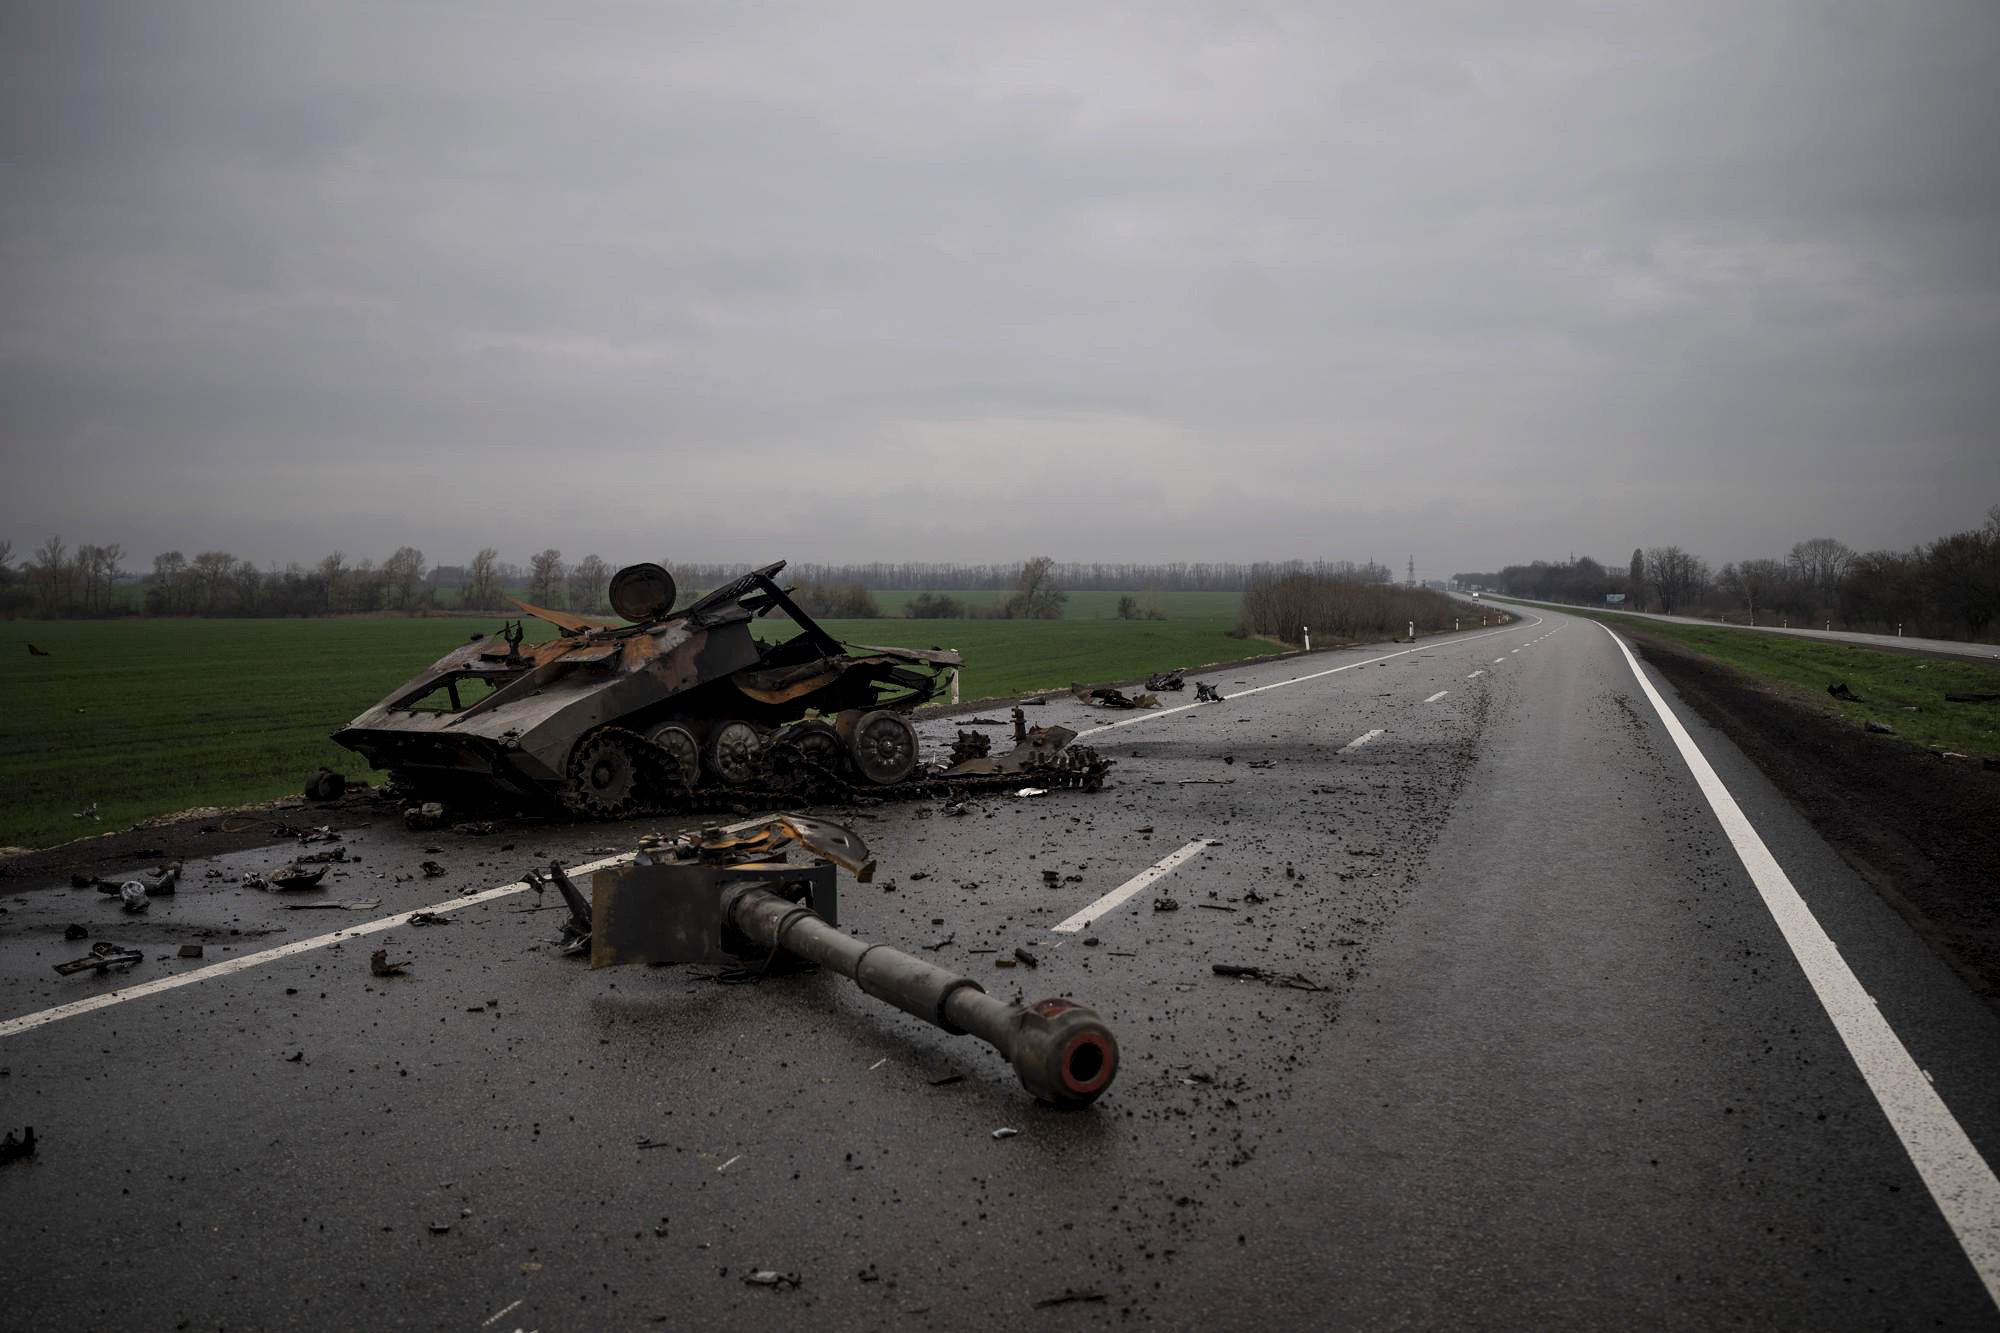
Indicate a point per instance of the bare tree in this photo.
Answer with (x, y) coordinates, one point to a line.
(1675, 576)
(332, 571)
(586, 583)
(1038, 596)
(50, 572)
(1758, 581)
(545, 576)
(402, 576)
(209, 573)
(482, 580)
(1820, 564)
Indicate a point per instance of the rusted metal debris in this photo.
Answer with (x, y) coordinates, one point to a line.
(102, 955)
(676, 710)
(692, 901)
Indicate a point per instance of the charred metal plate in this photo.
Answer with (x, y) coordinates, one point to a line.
(671, 911)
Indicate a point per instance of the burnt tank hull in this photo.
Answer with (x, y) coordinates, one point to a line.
(666, 701)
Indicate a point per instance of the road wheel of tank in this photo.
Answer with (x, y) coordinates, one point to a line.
(735, 753)
(807, 758)
(884, 746)
(679, 747)
(604, 775)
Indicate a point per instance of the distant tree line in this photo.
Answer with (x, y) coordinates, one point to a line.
(1340, 603)
(1946, 589)
(94, 581)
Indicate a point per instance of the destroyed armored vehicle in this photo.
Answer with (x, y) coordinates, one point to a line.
(676, 709)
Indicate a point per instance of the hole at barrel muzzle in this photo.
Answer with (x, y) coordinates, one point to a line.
(1085, 1064)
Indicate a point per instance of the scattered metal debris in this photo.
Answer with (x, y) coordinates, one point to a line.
(1168, 680)
(432, 870)
(429, 919)
(1006, 1132)
(1027, 959)
(132, 894)
(1166, 905)
(102, 955)
(349, 905)
(326, 785)
(1205, 693)
(1878, 728)
(190, 951)
(296, 876)
(1840, 691)
(75, 932)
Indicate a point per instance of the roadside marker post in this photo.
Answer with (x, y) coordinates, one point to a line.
(1308, 632)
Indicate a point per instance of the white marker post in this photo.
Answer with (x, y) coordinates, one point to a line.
(954, 682)
(1307, 630)
(1413, 631)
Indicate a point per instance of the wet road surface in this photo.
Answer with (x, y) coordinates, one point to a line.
(1560, 1066)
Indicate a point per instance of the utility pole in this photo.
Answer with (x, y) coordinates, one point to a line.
(1413, 572)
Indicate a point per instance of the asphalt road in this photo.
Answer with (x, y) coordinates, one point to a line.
(1565, 1069)
(1984, 652)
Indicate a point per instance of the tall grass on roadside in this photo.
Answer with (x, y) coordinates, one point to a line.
(1282, 605)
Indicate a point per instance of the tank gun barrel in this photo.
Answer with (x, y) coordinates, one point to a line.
(1062, 1051)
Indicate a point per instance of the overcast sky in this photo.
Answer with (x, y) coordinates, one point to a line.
(1473, 282)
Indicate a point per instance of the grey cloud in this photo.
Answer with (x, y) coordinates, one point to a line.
(1186, 281)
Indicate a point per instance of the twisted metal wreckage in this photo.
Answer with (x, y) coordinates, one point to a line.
(686, 710)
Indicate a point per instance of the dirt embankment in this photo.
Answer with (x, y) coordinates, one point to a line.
(1921, 829)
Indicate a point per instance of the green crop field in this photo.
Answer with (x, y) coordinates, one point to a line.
(146, 717)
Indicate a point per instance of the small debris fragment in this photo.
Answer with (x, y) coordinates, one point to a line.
(75, 932)
(947, 1080)
(132, 894)
(296, 1057)
(379, 964)
(13, 1149)
(1165, 905)
(296, 876)
(429, 815)
(769, 1277)
(1071, 1298)
(1878, 728)
(102, 955)
(1005, 1132)
(1205, 693)
(1840, 691)
(431, 869)
(1027, 958)
(190, 951)
(429, 919)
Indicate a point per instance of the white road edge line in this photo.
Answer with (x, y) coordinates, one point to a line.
(1480, 672)
(230, 966)
(1961, 1183)
(1157, 714)
(1361, 740)
(1435, 697)
(1161, 868)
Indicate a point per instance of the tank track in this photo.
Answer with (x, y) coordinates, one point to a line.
(790, 777)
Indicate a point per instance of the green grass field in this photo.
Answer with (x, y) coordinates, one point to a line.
(1889, 683)
(146, 717)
